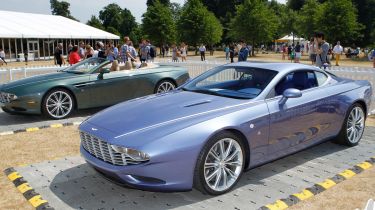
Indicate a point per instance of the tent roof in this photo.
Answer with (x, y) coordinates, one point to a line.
(288, 38)
(29, 25)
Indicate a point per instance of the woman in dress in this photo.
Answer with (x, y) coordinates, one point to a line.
(183, 50)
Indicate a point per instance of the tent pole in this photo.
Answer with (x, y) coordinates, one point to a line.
(22, 45)
(49, 51)
(38, 51)
(10, 51)
(15, 43)
(44, 50)
(53, 46)
(2, 44)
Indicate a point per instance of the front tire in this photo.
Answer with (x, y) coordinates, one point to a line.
(58, 104)
(353, 127)
(220, 164)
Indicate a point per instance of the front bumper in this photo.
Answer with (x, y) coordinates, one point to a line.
(23, 105)
(158, 176)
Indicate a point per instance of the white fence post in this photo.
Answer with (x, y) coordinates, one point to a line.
(10, 75)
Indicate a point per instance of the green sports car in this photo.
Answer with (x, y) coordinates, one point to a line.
(87, 84)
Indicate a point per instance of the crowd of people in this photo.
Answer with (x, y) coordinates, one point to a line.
(319, 51)
(121, 53)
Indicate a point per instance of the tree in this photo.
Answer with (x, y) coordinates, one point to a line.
(128, 23)
(152, 2)
(295, 4)
(158, 24)
(111, 16)
(254, 22)
(118, 20)
(224, 10)
(339, 21)
(176, 10)
(213, 30)
(61, 8)
(366, 16)
(307, 22)
(198, 25)
(95, 22)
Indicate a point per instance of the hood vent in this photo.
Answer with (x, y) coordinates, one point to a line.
(197, 103)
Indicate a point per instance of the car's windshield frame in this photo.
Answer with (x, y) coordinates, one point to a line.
(229, 93)
(101, 61)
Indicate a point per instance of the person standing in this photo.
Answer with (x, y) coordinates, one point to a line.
(112, 52)
(174, 53)
(81, 50)
(89, 51)
(58, 55)
(284, 50)
(202, 50)
(312, 53)
(232, 52)
(153, 52)
(226, 50)
(297, 51)
(2, 56)
(144, 51)
(74, 56)
(183, 49)
(321, 50)
(289, 52)
(244, 52)
(125, 49)
(337, 51)
(373, 57)
(132, 52)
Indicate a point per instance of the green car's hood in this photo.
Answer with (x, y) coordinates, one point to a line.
(37, 79)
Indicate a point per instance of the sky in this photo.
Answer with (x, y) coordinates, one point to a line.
(80, 9)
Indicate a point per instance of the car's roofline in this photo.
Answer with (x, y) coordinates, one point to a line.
(279, 67)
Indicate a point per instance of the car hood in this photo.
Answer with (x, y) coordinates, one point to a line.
(37, 79)
(159, 114)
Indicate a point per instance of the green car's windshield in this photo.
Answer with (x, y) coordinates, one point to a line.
(86, 66)
(233, 82)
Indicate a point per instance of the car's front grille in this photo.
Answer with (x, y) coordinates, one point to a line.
(4, 98)
(103, 150)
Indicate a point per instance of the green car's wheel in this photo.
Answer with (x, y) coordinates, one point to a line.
(165, 86)
(58, 104)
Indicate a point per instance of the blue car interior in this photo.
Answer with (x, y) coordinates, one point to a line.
(300, 80)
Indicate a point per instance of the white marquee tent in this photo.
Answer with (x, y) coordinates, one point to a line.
(37, 33)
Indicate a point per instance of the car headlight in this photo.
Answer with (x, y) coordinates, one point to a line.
(7, 97)
(132, 153)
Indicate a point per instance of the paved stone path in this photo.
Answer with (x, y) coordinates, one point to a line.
(71, 184)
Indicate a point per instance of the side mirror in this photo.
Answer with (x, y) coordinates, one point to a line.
(103, 71)
(290, 93)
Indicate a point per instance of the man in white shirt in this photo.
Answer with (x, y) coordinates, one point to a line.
(337, 50)
(202, 50)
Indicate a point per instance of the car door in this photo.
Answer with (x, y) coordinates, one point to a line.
(295, 122)
(112, 88)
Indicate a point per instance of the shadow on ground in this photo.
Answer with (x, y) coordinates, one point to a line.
(81, 187)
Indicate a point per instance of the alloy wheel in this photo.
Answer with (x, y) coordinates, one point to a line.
(59, 104)
(223, 164)
(355, 125)
(165, 87)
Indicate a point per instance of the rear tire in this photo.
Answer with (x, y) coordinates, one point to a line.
(353, 126)
(58, 104)
(164, 86)
(220, 164)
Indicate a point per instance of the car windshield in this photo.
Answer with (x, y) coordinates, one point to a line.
(233, 82)
(86, 66)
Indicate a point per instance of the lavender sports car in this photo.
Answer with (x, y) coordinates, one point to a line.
(228, 120)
